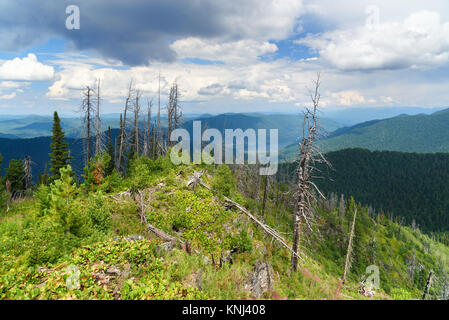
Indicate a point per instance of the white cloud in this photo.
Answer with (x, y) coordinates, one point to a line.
(26, 69)
(262, 19)
(277, 81)
(8, 96)
(12, 84)
(349, 98)
(419, 41)
(241, 51)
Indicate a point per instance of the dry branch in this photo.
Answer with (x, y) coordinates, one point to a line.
(196, 179)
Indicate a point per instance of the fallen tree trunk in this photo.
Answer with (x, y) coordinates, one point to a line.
(196, 179)
(161, 234)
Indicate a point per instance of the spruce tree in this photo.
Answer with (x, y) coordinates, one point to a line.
(15, 175)
(59, 158)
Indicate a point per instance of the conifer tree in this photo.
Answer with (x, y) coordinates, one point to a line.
(15, 176)
(59, 157)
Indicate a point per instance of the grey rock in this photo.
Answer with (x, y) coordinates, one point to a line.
(260, 280)
(114, 271)
(129, 238)
(165, 247)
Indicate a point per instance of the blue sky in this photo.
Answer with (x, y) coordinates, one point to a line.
(226, 56)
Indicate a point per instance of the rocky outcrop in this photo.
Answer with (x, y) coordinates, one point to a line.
(261, 279)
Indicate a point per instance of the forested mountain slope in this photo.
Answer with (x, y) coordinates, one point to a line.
(411, 186)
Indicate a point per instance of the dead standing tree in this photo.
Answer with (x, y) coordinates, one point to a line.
(349, 251)
(147, 145)
(310, 155)
(88, 110)
(99, 137)
(136, 131)
(123, 141)
(174, 113)
(28, 175)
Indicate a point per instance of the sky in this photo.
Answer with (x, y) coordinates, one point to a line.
(226, 56)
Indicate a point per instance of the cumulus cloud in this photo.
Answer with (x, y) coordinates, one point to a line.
(212, 89)
(349, 98)
(420, 41)
(8, 96)
(136, 31)
(27, 69)
(241, 51)
(278, 81)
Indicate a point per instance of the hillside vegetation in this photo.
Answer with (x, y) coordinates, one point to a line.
(98, 232)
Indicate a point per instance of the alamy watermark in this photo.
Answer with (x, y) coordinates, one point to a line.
(212, 153)
(373, 17)
(373, 280)
(73, 22)
(73, 278)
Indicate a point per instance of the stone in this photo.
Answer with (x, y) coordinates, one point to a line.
(114, 271)
(260, 279)
(165, 247)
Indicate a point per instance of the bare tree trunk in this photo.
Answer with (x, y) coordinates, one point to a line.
(136, 124)
(426, 289)
(309, 154)
(123, 129)
(264, 200)
(88, 111)
(348, 253)
(147, 143)
(98, 143)
(28, 176)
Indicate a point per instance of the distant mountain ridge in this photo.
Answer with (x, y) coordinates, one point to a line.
(288, 125)
(420, 133)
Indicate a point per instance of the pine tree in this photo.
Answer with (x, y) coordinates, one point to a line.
(15, 176)
(59, 158)
(62, 194)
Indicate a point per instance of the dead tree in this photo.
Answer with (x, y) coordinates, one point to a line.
(136, 123)
(88, 111)
(118, 143)
(158, 130)
(349, 251)
(27, 175)
(174, 112)
(123, 133)
(98, 133)
(428, 283)
(147, 138)
(264, 199)
(170, 110)
(309, 157)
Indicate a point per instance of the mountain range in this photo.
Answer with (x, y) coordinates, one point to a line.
(422, 133)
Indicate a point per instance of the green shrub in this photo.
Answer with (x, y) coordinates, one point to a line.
(99, 212)
(223, 181)
(242, 241)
